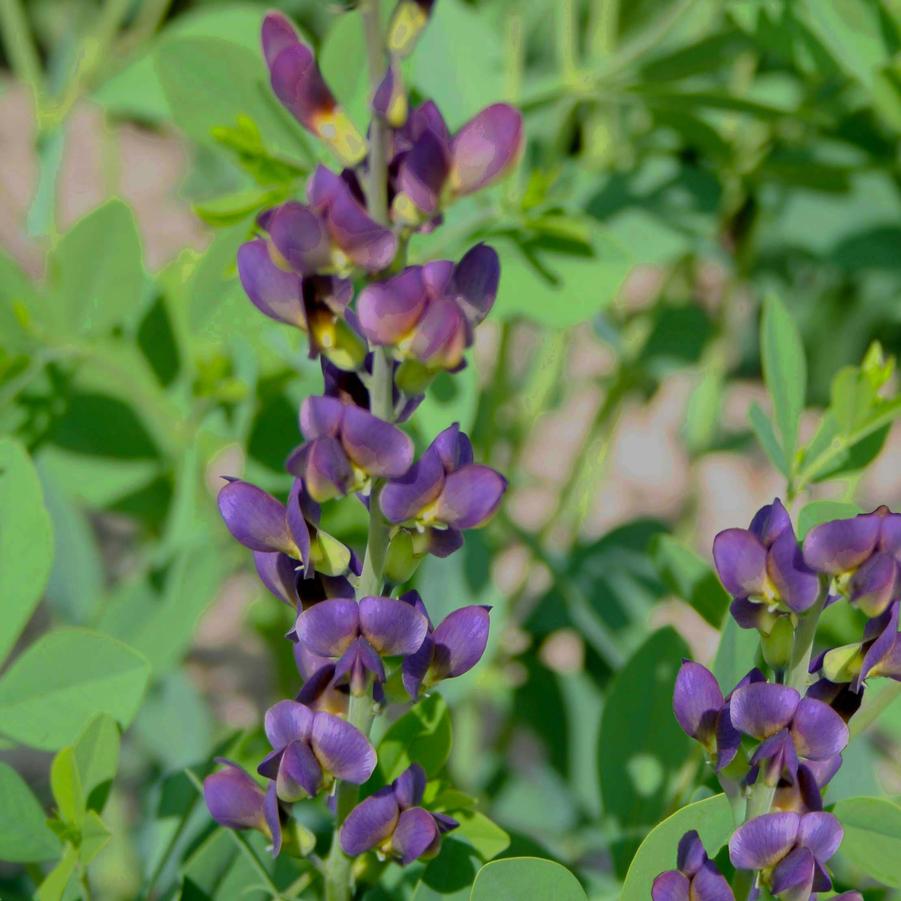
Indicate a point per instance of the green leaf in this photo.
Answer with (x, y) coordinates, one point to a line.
(736, 654)
(483, 834)
(54, 887)
(449, 877)
(872, 837)
(641, 747)
(817, 512)
(97, 272)
(24, 833)
(763, 429)
(26, 542)
(66, 786)
(62, 680)
(423, 735)
(689, 578)
(712, 818)
(97, 757)
(95, 836)
(515, 878)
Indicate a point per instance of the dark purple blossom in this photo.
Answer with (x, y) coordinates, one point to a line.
(696, 877)
(235, 801)
(392, 822)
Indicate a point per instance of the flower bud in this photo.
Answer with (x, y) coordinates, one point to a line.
(777, 644)
(401, 561)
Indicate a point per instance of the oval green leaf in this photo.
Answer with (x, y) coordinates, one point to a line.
(872, 837)
(516, 878)
(24, 833)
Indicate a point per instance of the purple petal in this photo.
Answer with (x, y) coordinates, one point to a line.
(821, 833)
(286, 722)
(329, 627)
(390, 100)
(403, 498)
(443, 542)
(409, 786)
(470, 496)
(889, 531)
(299, 773)
(392, 627)
(274, 291)
(255, 518)
(762, 709)
(297, 525)
(453, 447)
(671, 886)
(882, 646)
(321, 417)
(441, 335)
(797, 584)
(428, 116)
(299, 235)
(366, 243)
(751, 614)
(728, 739)
(277, 34)
(475, 281)
(770, 522)
(416, 834)
(817, 730)
(697, 701)
(377, 447)
(437, 276)
(710, 885)
(874, 585)
(740, 559)
(690, 855)
(792, 879)
(323, 465)
(777, 757)
(233, 798)
(299, 85)
(823, 770)
(342, 749)
(764, 841)
(485, 147)
(459, 641)
(369, 823)
(357, 664)
(423, 172)
(273, 818)
(388, 310)
(416, 667)
(278, 572)
(842, 545)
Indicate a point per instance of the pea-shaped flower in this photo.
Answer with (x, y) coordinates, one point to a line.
(273, 530)
(450, 650)
(696, 877)
(358, 636)
(392, 822)
(790, 850)
(788, 726)
(763, 569)
(346, 448)
(311, 749)
(427, 313)
(299, 85)
(235, 801)
(862, 555)
(443, 493)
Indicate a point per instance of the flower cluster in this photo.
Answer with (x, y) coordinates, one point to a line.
(333, 267)
(777, 743)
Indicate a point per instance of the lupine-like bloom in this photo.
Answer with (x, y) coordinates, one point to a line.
(273, 531)
(790, 851)
(763, 569)
(788, 726)
(357, 636)
(696, 877)
(311, 749)
(392, 822)
(433, 167)
(861, 554)
(443, 493)
(235, 801)
(451, 650)
(298, 84)
(346, 447)
(427, 313)
(408, 20)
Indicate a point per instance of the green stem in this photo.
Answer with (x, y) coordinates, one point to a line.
(20, 48)
(798, 676)
(566, 38)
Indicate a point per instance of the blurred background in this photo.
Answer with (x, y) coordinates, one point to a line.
(685, 158)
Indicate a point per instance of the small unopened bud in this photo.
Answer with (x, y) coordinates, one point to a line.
(777, 645)
(413, 377)
(401, 560)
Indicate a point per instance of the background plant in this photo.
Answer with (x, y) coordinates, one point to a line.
(724, 150)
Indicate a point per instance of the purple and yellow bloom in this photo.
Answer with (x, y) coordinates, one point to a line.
(862, 555)
(311, 749)
(805, 792)
(443, 493)
(281, 535)
(788, 726)
(450, 650)
(428, 314)
(299, 85)
(763, 569)
(790, 850)
(392, 822)
(408, 20)
(696, 877)
(389, 101)
(346, 448)
(357, 636)
(319, 691)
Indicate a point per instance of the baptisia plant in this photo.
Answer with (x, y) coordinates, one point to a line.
(776, 742)
(332, 264)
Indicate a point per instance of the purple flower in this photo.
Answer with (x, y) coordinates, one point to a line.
(235, 801)
(391, 821)
(281, 535)
(407, 22)
(432, 166)
(390, 99)
(357, 636)
(803, 793)
(319, 691)
(790, 850)
(443, 493)
(862, 554)
(451, 650)
(763, 569)
(311, 749)
(298, 84)
(346, 447)
(427, 313)
(696, 879)
(788, 726)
